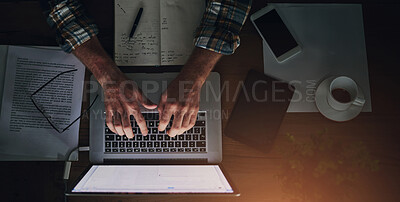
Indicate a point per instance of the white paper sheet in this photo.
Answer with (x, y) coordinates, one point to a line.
(332, 39)
(25, 133)
(154, 179)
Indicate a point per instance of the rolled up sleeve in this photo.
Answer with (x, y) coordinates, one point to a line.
(220, 26)
(73, 27)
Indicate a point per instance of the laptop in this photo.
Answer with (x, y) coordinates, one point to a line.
(156, 163)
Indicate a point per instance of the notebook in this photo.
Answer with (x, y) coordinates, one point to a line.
(164, 35)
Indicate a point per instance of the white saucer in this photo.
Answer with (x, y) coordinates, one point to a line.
(330, 113)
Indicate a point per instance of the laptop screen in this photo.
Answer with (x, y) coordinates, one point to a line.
(154, 179)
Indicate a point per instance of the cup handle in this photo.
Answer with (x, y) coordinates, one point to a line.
(359, 102)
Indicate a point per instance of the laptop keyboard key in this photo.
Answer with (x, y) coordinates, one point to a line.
(118, 137)
(156, 144)
(158, 150)
(136, 150)
(108, 150)
(149, 144)
(109, 137)
(128, 144)
(129, 150)
(114, 150)
(139, 137)
(115, 144)
(185, 144)
(195, 137)
(170, 144)
(200, 143)
(167, 137)
(108, 144)
(203, 131)
(146, 138)
(192, 144)
(202, 137)
(150, 124)
(108, 131)
(202, 149)
(200, 123)
(163, 144)
(188, 150)
(142, 144)
(135, 144)
(177, 144)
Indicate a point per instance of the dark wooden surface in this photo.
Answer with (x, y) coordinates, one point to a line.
(22, 23)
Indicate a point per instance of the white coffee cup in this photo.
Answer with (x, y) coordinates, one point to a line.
(343, 92)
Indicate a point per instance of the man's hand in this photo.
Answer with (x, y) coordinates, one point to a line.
(182, 97)
(122, 97)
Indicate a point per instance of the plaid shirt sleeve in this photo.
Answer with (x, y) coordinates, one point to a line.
(72, 25)
(220, 26)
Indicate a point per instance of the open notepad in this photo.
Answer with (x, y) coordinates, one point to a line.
(164, 35)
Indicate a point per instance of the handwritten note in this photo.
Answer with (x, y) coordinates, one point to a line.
(179, 20)
(164, 35)
(144, 47)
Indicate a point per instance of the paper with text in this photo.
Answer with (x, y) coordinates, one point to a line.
(179, 20)
(164, 35)
(144, 47)
(25, 131)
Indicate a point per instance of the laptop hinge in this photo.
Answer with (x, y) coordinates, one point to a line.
(155, 161)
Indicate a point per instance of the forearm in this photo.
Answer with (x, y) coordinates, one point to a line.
(220, 26)
(199, 65)
(68, 17)
(93, 56)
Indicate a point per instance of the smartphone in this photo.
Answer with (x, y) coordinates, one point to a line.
(273, 30)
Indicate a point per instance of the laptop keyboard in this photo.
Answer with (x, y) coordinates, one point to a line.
(191, 141)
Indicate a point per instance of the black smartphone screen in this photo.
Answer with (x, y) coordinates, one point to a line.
(275, 33)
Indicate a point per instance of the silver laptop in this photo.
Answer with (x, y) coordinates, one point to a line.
(200, 145)
(121, 168)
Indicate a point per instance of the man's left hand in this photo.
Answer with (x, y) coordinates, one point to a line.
(180, 100)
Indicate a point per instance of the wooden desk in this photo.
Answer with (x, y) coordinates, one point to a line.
(251, 171)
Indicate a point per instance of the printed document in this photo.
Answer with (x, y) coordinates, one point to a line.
(26, 133)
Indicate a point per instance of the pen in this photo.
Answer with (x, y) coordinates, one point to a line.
(135, 24)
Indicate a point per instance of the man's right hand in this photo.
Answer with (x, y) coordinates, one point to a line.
(122, 97)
